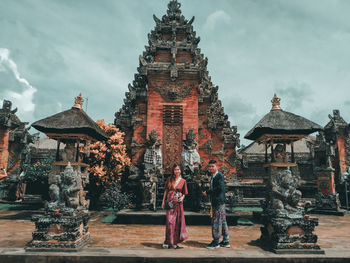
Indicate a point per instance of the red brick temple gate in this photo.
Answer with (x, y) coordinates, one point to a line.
(173, 93)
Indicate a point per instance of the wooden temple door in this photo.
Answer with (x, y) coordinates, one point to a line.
(172, 136)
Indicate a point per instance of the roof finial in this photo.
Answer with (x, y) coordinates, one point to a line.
(78, 103)
(276, 103)
(174, 8)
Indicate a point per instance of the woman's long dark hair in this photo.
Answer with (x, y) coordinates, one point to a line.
(171, 182)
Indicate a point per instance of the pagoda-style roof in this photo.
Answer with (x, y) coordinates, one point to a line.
(72, 121)
(278, 121)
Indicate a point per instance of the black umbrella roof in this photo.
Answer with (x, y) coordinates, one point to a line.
(71, 121)
(278, 121)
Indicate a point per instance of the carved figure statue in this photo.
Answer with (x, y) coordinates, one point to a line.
(153, 154)
(190, 159)
(54, 192)
(323, 151)
(153, 168)
(284, 196)
(69, 152)
(66, 191)
(71, 187)
(280, 154)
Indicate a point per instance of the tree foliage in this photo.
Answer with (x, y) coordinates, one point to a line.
(108, 159)
(38, 172)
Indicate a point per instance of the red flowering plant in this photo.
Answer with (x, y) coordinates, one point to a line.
(108, 160)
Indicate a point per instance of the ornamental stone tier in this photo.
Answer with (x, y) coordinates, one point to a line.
(287, 229)
(64, 225)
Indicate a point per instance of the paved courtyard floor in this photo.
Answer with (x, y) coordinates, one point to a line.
(146, 240)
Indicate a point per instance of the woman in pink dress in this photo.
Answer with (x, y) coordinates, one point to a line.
(174, 194)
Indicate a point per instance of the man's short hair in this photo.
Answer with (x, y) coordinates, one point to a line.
(212, 162)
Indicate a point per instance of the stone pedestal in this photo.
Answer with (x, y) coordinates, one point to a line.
(59, 232)
(327, 200)
(64, 225)
(290, 235)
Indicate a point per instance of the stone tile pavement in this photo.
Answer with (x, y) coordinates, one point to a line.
(146, 240)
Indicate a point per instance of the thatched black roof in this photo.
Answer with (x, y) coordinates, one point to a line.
(74, 120)
(278, 121)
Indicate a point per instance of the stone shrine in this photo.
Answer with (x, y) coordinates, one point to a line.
(287, 229)
(337, 135)
(14, 151)
(327, 199)
(64, 225)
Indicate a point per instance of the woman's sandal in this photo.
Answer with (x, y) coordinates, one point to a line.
(165, 246)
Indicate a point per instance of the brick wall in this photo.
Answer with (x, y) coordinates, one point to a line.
(155, 111)
(4, 154)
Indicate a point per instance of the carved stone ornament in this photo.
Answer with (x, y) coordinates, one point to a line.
(173, 91)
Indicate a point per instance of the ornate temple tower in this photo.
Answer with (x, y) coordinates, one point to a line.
(173, 93)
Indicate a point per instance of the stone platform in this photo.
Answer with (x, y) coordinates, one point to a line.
(142, 243)
(146, 217)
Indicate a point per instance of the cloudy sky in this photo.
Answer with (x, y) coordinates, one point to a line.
(52, 50)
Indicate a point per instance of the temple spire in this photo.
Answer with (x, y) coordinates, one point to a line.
(276, 103)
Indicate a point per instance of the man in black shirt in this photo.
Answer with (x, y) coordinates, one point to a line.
(217, 197)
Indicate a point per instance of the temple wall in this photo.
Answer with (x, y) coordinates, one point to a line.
(4, 153)
(155, 111)
(341, 155)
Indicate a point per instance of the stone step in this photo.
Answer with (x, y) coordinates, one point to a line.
(128, 216)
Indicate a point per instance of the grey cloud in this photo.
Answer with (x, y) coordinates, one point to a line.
(294, 95)
(66, 47)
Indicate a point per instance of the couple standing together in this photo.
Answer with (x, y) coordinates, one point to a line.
(174, 195)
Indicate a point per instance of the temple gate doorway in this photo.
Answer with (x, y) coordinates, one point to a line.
(172, 136)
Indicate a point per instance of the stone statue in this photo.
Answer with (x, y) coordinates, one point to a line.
(153, 154)
(190, 159)
(54, 192)
(323, 151)
(66, 192)
(71, 188)
(153, 169)
(280, 154)
(284, 197)
(69, 152)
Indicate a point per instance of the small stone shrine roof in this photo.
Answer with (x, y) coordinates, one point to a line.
(71, 121)
(278, 121)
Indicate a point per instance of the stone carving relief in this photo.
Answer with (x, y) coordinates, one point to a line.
(173, 91)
